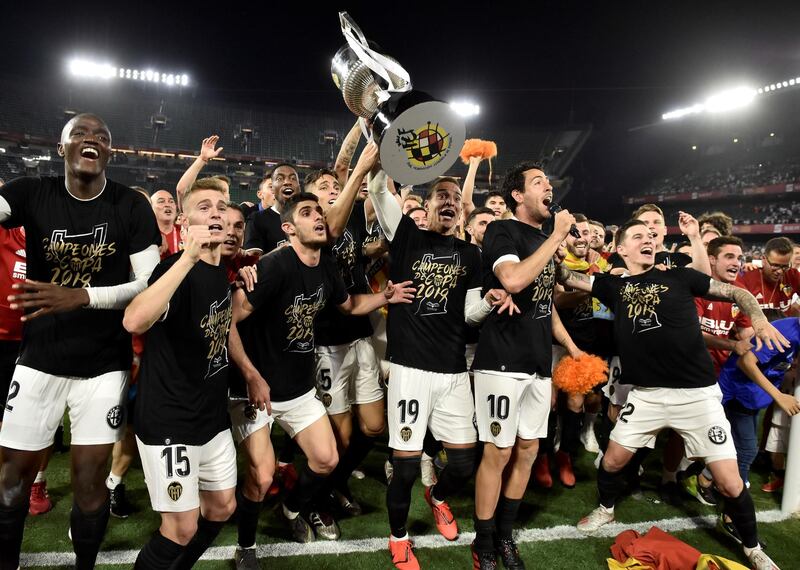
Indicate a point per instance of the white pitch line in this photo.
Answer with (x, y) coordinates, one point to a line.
(324, 547)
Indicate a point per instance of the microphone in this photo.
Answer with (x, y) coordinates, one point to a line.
(554, 209)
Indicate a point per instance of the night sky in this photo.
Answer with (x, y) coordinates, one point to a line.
(616, 65)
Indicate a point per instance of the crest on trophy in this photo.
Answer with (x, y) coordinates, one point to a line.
(419, 138)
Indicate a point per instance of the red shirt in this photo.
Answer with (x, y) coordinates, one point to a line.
(233, 265)
(12, 270)
(772, 295)
(173, 241)
(719, 318)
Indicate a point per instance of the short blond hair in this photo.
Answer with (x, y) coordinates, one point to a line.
(209, 183)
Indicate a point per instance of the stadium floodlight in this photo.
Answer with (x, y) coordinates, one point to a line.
(679, 113)
(86, 68)
(465, 108)
(731, 99)
(79, 67)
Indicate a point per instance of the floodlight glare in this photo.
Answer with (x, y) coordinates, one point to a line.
(731, 99)
(465, 108)
(679, 113)
(85, 68)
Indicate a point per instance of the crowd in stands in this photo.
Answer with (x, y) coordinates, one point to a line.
(736, 177)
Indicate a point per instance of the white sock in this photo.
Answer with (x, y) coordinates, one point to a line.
(426, 457)
(289, 514)
(394, 538)
(112, 481)
(40, 478)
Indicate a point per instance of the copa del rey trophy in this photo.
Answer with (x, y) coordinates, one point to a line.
(419, 138)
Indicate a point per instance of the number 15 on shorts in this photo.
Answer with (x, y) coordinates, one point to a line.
(176, 461)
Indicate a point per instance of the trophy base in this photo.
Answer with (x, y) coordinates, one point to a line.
(419, 138)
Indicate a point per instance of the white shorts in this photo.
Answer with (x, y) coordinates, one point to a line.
(348, 374)
(37, 401)
(175, 474)
(778, 436)
(296, 415)
(246, 419)
(695, 413)
(616, 393)
(507, 407)
(419, 400)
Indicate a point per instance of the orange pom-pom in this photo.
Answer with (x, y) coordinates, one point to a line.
(477, 147)
(579, 376)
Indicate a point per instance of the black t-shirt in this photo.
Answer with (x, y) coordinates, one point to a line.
(520, 343)
(78, 243)
(670, 259)
(334, 328)
(264, 231)
(250, 210)
(430, 333)
(579, 322)
(656, 328)
(183, 385)
(287, 299)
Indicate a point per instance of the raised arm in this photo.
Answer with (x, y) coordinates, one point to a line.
(340, 212)
(691, 229)
(342, 165)
(469, 186)
(387, 209)
(207, 152)
(516, 275)
(152, 303)
(764, 331)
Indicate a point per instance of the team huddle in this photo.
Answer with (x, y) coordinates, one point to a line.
(246, 315)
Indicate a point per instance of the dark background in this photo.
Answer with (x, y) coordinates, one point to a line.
(613, 65)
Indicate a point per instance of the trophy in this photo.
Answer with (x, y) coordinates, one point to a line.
(418, 137)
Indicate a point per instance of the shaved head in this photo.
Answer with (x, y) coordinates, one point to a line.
(65, 131)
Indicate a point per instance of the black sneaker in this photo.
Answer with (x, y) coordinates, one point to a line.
(301, 530)
(670, 493)
(245, 559)
(120, 507)
(350, 507)
(483, 560)
(324, 525)
(509, 554)
(727, 528)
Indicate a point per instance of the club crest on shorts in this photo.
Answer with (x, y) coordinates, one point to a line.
(495, 428)
(717, 435)
(405, 433)
(250, 412)
(114, 417)
(175, 490)
(326, 400)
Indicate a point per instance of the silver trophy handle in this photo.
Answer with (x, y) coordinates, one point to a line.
(392, 72)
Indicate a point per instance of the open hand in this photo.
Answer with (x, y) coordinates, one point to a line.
(46, 298)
